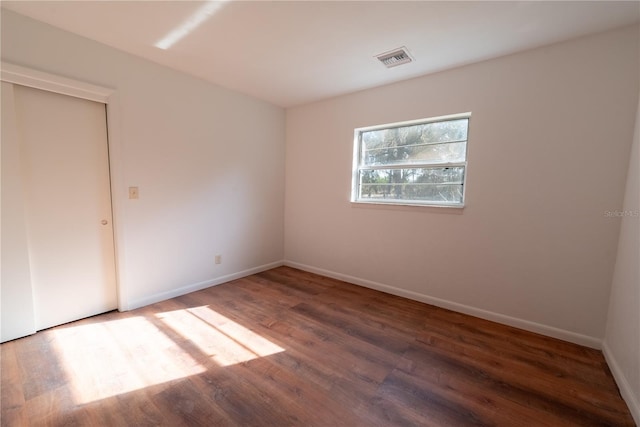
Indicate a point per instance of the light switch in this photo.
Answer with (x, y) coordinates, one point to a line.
(133, 192)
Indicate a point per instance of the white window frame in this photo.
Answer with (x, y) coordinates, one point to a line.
(357, 166)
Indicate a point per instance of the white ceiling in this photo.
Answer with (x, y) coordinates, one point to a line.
(295, 52)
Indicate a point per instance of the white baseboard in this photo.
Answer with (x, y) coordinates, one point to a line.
(151, 299)
(623, 384)
(461, 308)
(633, 402)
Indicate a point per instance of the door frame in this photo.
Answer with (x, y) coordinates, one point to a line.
(12, 73)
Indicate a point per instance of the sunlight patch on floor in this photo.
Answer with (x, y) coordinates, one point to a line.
(114, 357)
(218, 337)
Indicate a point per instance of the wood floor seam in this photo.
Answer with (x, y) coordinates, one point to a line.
(286, 347)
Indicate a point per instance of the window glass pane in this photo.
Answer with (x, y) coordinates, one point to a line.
(415, 143)
(407, 154)
(442, 185)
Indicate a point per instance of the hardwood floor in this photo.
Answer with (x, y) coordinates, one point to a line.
(290, 348)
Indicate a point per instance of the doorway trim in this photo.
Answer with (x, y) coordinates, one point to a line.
(29, 77)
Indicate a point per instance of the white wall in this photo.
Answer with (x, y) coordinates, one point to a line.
(209, 164)
(622, 339)
(549, 141)
(548, 147)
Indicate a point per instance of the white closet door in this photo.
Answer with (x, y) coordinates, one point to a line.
(65, 175)
(16, 311)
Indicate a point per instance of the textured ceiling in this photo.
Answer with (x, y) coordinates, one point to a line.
(291, 53)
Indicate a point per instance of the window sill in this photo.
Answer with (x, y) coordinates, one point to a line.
(408, 206)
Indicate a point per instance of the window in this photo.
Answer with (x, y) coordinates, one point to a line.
(412, 163)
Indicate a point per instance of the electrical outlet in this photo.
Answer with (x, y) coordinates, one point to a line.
(218, 259)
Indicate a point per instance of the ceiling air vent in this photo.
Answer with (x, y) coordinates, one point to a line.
(395, 57)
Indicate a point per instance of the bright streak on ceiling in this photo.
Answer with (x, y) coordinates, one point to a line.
(291, 53)
(194, 21)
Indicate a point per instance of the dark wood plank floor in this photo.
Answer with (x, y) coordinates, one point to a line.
(290, 348)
